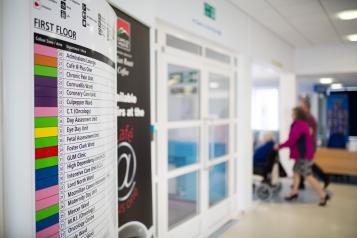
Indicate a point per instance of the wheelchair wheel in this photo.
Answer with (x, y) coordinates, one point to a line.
(277, 188)
(264, 192)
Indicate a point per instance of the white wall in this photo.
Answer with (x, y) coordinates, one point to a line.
(188, 15)
(245, 135)
(18, 120)
(325, 60)
(143, 11)
(1, 131)
(268, 47)
(232, 28)
(237, 31)
(287, 92)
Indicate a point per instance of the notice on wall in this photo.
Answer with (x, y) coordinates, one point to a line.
(133, 123)
(75, 118)
(337, 114)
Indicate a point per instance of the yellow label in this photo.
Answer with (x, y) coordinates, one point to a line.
(46, 132)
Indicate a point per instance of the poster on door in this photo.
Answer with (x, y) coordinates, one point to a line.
(133, 123)
(74, 73)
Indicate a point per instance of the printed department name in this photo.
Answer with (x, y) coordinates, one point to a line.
(82, 171)
(79, 85)
(81, 76)
(80, 59)
(81, 191)
(71, 120)
(80, 93)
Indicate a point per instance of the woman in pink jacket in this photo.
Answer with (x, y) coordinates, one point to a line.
(301, 145)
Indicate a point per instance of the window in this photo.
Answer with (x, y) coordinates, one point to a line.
(265, 109)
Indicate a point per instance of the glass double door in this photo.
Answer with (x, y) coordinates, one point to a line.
(198, 132)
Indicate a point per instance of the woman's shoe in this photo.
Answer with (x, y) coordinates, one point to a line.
(292, 197)
(324, 201)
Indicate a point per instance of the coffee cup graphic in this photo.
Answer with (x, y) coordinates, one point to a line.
(133, 229)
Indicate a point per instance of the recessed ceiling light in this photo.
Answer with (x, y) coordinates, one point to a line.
(347, 15)
(352, 37)
(336, 86)
(326, 80)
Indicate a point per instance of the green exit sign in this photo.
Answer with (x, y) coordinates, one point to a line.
(210, 11)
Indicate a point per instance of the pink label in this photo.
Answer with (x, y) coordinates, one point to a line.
(46, 202)
(46, 192)
(46, 111)
(45, 50)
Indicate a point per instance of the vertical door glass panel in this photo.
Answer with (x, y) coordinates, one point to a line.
(183, 93)
(183, 198)
(183, 147)
(218, 141)
(218, 187)
(218, 88)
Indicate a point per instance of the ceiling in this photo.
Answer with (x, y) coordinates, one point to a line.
(303, 23)
(347, 79)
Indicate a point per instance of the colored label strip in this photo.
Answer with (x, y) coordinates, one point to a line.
(46, 122)
(46, 111)
(47, 202)
(46, 172)
(47, 182)
(46, 152)
(45, 71)
(46, 162)
(47, 212)
(45, 60)
(46, 192)
(46, 141)
(45, 101)
(46, 132)
(45, 92)
(45, 50)
(52, 220)
(43, 81)
(48, 232)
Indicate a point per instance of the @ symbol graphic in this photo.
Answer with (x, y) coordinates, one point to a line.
(128, 182)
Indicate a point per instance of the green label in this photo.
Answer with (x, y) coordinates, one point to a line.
(210, 11)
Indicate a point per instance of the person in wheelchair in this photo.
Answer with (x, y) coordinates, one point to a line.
(265, 157)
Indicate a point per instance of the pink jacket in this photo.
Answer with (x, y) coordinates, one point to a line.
(300, 141)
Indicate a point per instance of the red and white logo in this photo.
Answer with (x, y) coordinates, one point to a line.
(124, 34)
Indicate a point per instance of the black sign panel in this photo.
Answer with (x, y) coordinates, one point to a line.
(134, 157)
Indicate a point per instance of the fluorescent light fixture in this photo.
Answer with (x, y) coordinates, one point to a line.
(347, 15)
(352, 37)
(326, 80)
(336, 86)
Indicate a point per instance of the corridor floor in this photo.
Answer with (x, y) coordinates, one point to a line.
(302, 218)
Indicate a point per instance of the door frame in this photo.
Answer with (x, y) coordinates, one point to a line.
(202, 224)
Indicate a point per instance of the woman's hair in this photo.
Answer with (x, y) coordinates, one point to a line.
(306, 101)
(299, 113)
